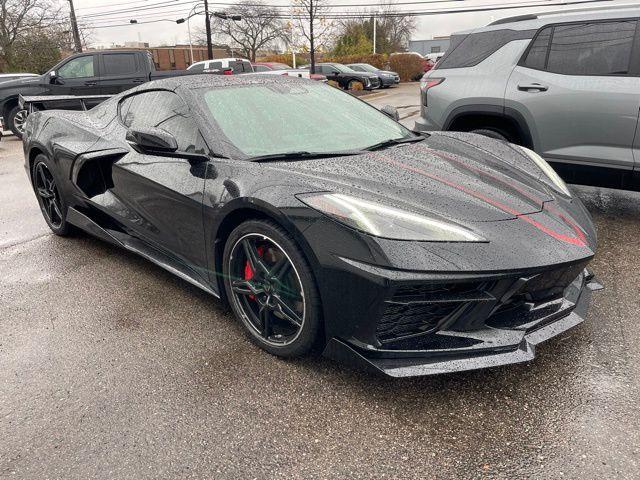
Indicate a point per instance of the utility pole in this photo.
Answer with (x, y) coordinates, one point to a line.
(74, 28)
(208, 28)
(374, 34)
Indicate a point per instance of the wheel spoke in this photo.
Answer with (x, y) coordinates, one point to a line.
(48, 208)
(40, 174)
(56, 208)
(244, 287)
(253, 258)
(280, 269)
(287, 312)
(44, 193)
(265, 319)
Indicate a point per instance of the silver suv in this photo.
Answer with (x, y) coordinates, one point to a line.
(564, 84)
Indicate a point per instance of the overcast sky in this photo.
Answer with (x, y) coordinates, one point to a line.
(168, 33)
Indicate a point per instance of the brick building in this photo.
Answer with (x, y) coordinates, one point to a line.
(178, 57)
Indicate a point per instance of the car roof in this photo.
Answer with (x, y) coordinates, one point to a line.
(19, 75)
(209, 80)
(535, 21)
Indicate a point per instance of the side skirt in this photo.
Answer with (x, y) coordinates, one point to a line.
(138, 247)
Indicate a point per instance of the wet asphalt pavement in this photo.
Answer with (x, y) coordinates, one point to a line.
(112, 368)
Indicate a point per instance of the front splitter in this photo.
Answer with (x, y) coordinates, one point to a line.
(420, 365)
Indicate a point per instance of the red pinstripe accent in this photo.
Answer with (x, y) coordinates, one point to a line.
(530, 196)
(552, 233)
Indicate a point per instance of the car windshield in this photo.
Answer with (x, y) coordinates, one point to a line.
(368, 68)
(277, 118)
(342, 68)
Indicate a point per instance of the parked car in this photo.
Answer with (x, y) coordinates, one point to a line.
(226, 66)
(347, 77)
(268, 66)
(92, 73)
(392, 251)
(387, 78)
(5, 77)
(297, 72)
(565, 85)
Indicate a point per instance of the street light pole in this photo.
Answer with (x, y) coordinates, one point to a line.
(374, 34)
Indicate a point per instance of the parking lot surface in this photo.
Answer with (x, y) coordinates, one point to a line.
(112, 368)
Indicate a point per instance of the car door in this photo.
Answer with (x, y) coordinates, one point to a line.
(160, 197)
(78, 76)
(577, 90)
(120, 71)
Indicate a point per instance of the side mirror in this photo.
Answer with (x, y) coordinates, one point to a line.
(152, 140)
(390, 112)
(53, 76)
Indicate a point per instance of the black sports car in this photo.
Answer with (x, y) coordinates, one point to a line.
(397, 252)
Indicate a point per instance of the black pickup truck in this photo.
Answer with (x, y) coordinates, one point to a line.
(92, 73)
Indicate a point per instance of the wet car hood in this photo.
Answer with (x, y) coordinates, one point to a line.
(20, 82)
(441, 175)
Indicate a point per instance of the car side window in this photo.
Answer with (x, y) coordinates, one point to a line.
(80, 67)
(165, 110)
(198, 68)
(597, 48)
(119, 64)
(260, 68)
(537, 55)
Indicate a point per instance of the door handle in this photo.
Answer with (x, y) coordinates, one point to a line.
(90, 84)
(533, 86)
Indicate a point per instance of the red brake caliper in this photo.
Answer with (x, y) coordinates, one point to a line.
(248, 272)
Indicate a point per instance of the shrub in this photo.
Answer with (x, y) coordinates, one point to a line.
(408, 65)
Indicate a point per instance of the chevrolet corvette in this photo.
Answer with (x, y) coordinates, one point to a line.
(325, 224)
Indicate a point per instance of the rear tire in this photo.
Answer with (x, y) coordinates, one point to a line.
(47, 189)
(492, 133)
(292, 323)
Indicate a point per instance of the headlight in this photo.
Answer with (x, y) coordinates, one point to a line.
(547, 169)
(387, 222)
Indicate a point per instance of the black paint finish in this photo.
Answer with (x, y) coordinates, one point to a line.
(529, 275)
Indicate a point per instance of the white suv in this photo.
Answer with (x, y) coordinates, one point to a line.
(226, 66)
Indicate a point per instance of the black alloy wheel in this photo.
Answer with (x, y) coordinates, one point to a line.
(270, 288)
(51, 202)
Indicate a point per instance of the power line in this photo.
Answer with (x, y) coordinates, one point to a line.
(354, 15)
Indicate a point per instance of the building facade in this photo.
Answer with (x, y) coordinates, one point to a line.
(437, 45)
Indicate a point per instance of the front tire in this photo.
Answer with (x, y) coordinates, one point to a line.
(271, 288)
(492, 133)
(50, 199)
(16, 119)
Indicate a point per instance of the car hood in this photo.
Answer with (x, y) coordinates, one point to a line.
(448, 177)
(20, 82)
(388, 72)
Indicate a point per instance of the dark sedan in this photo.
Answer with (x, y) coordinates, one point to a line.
(387, 77)
(346, 77)
(396, 252)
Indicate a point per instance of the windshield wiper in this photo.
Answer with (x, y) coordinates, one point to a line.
(395, 141)
(301, 155)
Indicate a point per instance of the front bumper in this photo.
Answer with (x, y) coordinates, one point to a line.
(501, 328)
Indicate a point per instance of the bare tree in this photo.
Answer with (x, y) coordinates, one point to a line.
(310, 16)
(19, 18)
(259, 28)
(396, 27)
(393, 28)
